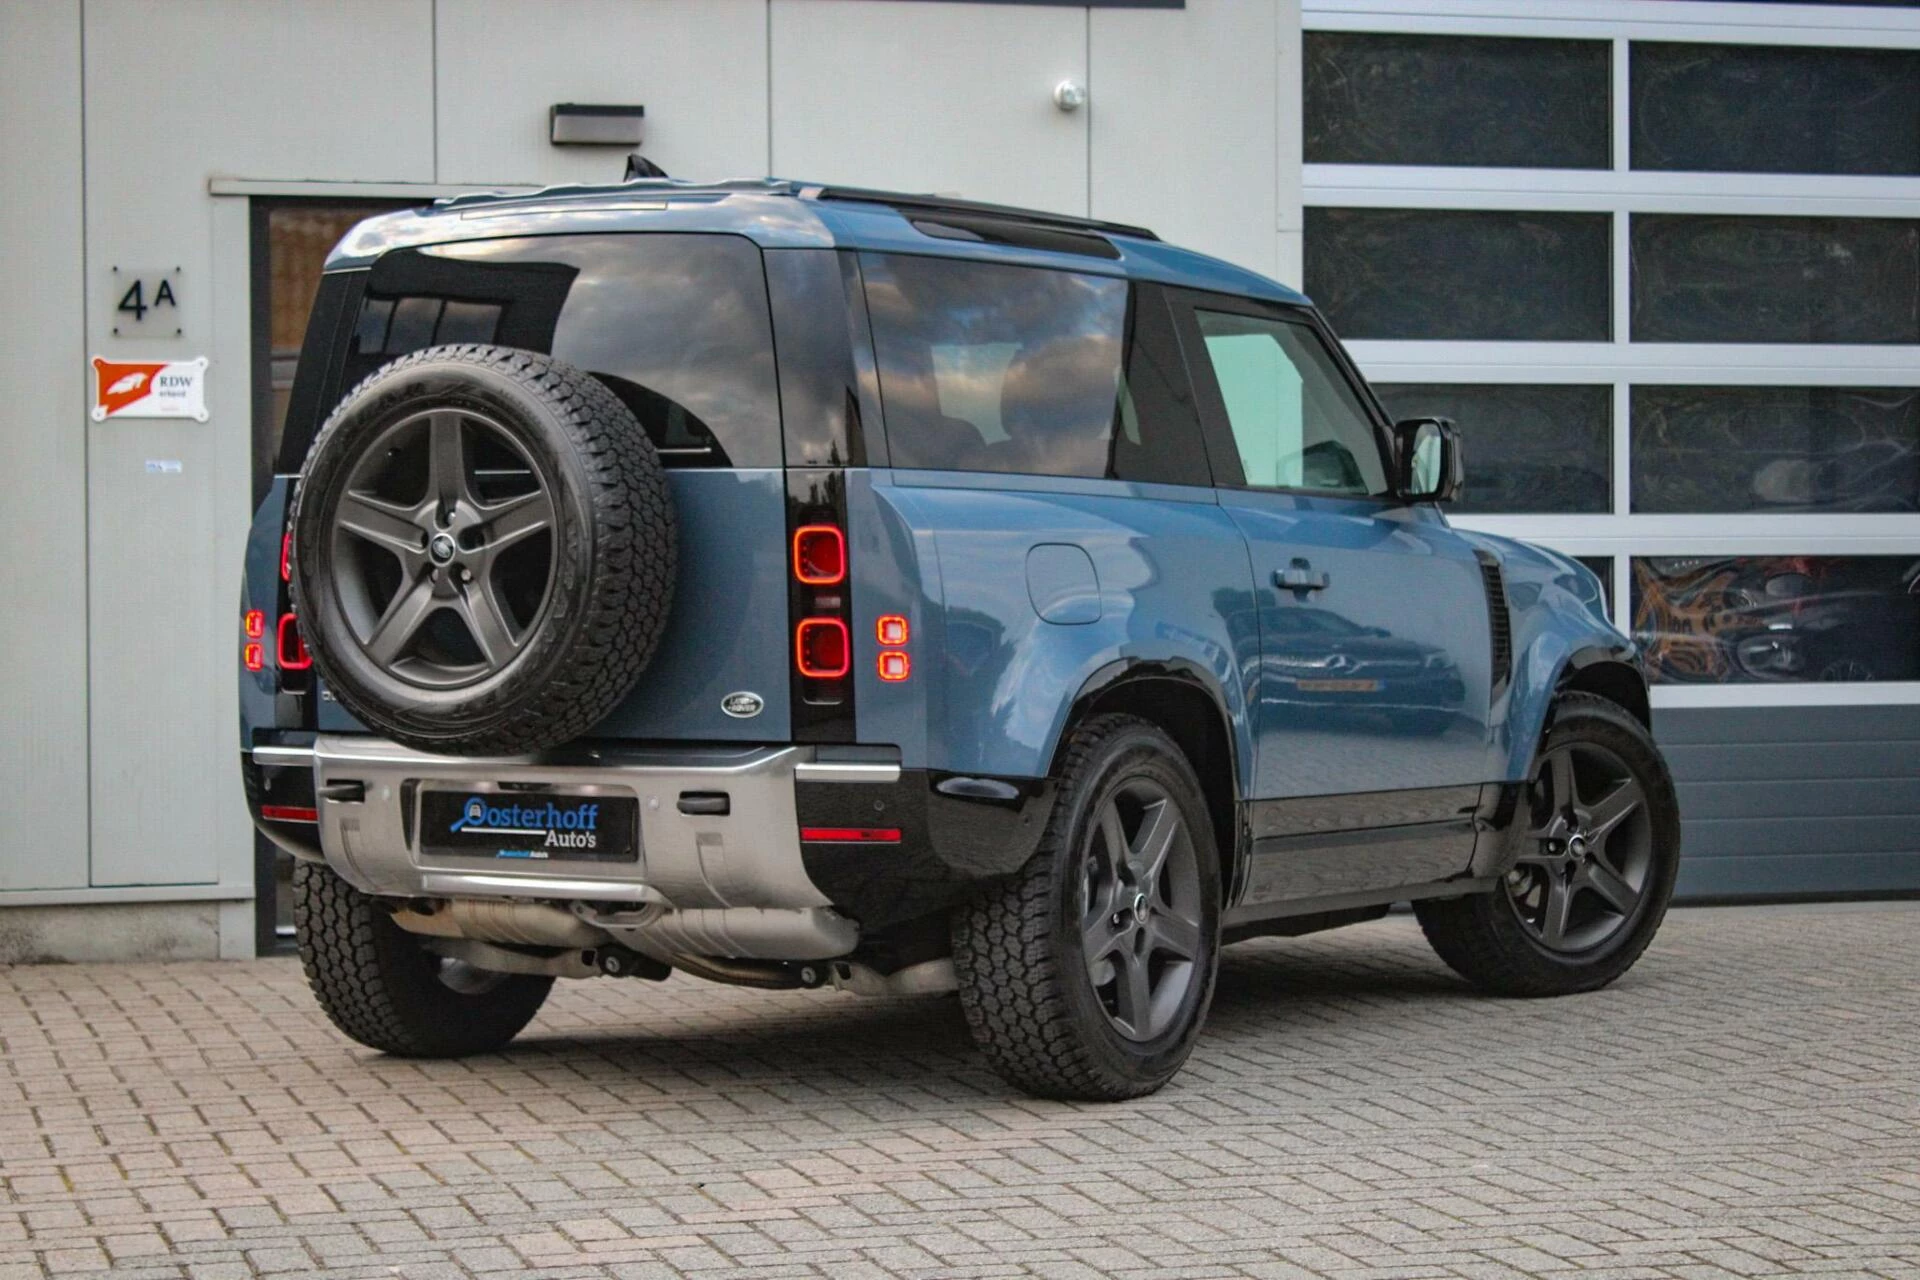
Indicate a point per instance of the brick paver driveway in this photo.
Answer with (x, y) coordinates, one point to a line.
(1746, 1103)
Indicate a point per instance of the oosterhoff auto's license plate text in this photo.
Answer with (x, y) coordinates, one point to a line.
(493, 825)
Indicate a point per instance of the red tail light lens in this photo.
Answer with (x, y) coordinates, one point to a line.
(254, 623)
(253, 656)
(289, 813)
(289, 648)
(895, 666)
(286, 556)
(851, 835)
(819, 555)
(891, 630)
(822, 648)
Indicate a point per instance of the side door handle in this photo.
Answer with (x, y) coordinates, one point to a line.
(1300, 577)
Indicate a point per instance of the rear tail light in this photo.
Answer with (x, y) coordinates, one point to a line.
(253, 656)
(289, 648)
(822, 649)
(254, 623)
(286, 556)
(891, 630)
(895, 665)
(819, 555)
(289, 813)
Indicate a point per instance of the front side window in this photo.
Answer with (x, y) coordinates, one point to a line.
(1297, 423)
(996, 368)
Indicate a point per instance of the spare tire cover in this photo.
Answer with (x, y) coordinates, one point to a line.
(483, 550)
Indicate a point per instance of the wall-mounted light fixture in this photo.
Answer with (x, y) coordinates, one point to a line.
(594, 125)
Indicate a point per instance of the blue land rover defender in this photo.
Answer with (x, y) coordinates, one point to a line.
(798, 585)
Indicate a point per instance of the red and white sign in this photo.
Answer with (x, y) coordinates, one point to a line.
(149, 389)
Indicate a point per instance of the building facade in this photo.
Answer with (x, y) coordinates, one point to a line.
(1660, 257)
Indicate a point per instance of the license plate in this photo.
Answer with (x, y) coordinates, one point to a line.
(538, 826)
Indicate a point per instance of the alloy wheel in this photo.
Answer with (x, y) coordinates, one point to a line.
(443, 548)
(1140, 910)
(1588, 858)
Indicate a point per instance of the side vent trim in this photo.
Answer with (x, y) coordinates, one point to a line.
(1499, 621)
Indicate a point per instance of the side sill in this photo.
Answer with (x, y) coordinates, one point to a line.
(1247, 921)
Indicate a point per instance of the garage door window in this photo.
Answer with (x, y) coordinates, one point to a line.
(1766, 619)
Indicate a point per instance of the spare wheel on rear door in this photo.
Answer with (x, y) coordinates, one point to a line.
(484, 550)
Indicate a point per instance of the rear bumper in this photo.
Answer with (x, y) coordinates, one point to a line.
(748, 862)
(366, 794)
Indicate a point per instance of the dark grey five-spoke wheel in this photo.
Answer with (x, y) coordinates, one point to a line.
(484, 550)
(1583, 868)
(443, 548)
(1140, 909)
(1595, 849)
(1088, 974)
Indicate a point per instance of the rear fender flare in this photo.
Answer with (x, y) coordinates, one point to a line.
(1117, 685)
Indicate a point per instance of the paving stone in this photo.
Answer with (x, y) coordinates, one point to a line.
(1745, 1104)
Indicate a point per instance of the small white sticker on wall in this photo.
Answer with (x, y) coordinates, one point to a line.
(163, 466)
(149, 389)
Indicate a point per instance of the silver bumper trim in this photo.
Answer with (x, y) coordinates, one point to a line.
(845, 771)
(749, 857)
(284, 757)
(464, 884)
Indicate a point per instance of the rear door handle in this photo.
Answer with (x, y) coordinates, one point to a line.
(1300, 576)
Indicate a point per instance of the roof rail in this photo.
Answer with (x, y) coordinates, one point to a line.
(926, 203)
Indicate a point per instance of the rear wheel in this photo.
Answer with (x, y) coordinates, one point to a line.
(1089, 973)
(377, 983)
(1595, 871)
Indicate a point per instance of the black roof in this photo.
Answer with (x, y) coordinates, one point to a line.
(926, 203)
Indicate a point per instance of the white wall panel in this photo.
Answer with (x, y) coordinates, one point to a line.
(954, 98)
(43, 515)
(175, 96)
(1187, 113)
(698, 66)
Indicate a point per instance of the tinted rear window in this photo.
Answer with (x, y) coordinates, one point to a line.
(675, 325)
(988, 367)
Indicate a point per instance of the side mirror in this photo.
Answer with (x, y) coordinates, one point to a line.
(1429, 463)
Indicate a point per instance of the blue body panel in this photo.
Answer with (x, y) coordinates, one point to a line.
(994, 682)
(1559, 610)
(728, 629)
(1381, 680)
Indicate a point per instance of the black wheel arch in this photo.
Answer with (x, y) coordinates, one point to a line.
(1609, 672)
(1184, 700)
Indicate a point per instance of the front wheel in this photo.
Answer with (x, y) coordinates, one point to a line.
(377, 983)
(1595, 871)
(1088, 974)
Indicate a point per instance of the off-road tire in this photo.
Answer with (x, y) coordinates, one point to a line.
(613, 573)
(380, 986)
(1481, 937)
(1023, 981)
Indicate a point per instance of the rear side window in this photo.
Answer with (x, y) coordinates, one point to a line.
(676, 325)
(996, 368)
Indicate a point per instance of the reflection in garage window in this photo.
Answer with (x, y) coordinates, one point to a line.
(1462, 274)
(1750, 619)
(1757, 109)
(1379, 98)
(1730, 278)
(1714, 449)
(1527, 447)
